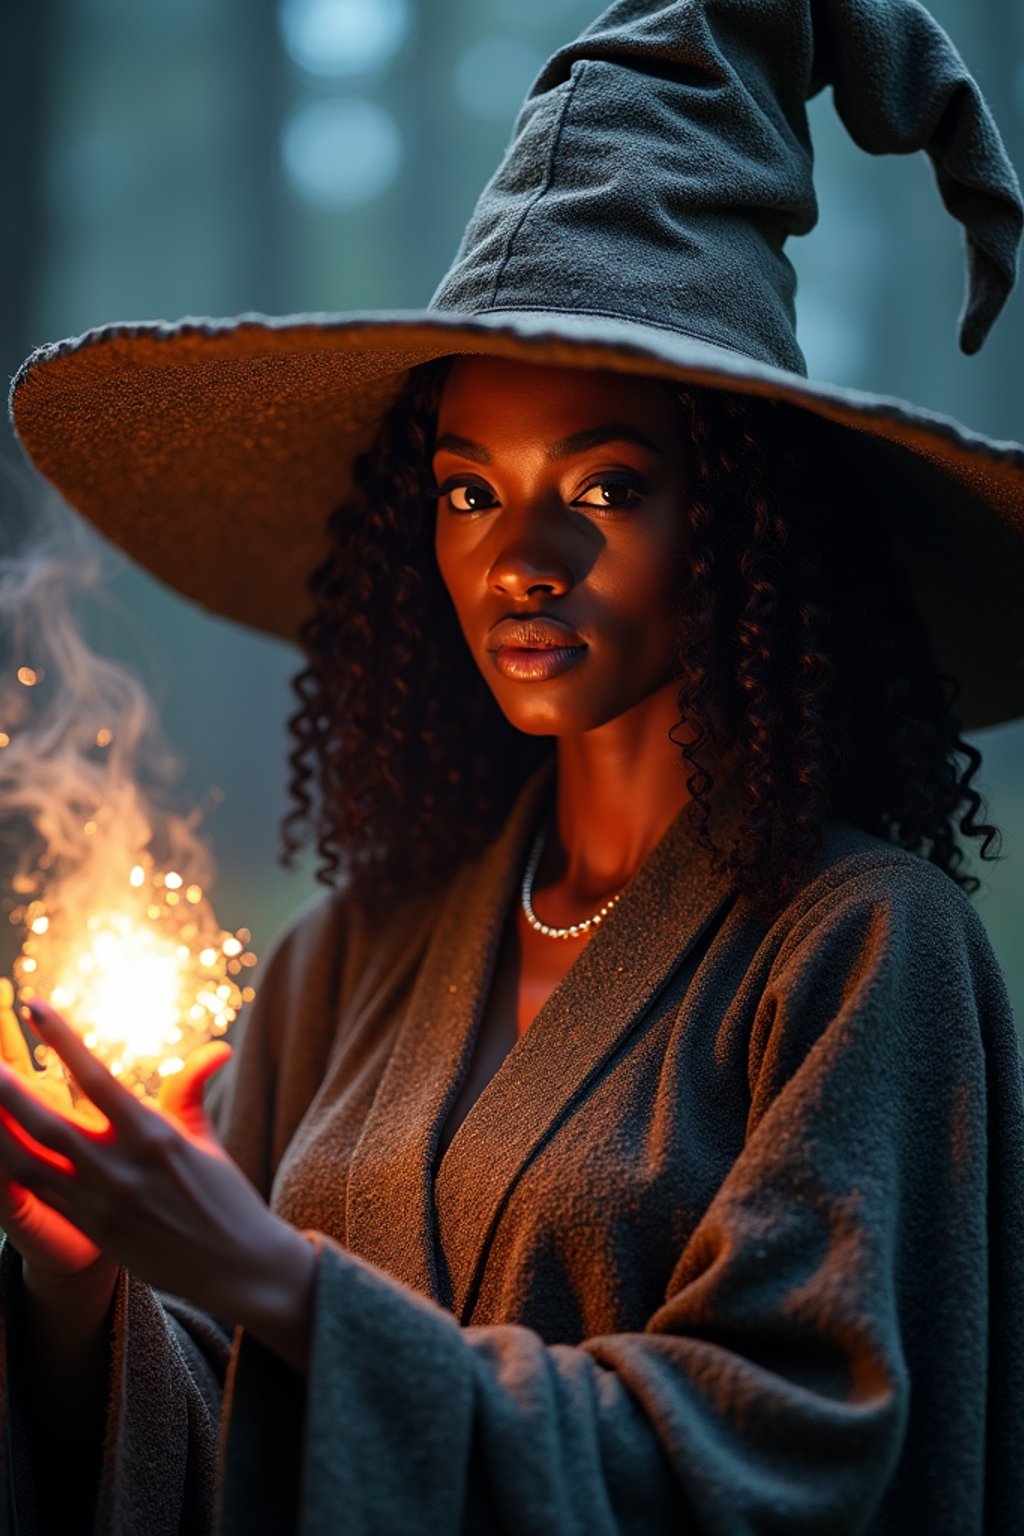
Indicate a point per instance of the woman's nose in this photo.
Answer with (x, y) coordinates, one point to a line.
(535, 546)
(524, 565)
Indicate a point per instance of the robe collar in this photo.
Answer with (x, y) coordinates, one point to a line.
(395, 1192)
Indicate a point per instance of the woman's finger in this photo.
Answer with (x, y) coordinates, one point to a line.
(41, 1233)
(29, 1162)
(182, 1094)
(30, 1198)
(46, 1175)
(13, 1045)
(21, 1111)
(14, 1199)
(122, 1108)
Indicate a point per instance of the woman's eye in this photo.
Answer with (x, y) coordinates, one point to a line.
(467, 496)
(613, 494)
(474, 498)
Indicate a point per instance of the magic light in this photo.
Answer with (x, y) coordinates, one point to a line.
(109, 892)
(142, 981)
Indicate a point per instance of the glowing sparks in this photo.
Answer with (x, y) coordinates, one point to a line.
(119, 936)
(143, 982)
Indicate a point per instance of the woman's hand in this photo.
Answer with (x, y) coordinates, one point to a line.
(48, 1243)
(152, 1188)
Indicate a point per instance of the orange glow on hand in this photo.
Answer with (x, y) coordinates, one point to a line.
(36, 1148)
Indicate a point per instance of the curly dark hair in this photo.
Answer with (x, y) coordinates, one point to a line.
(800, 645)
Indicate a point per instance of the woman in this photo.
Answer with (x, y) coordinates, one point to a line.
(634, 1142)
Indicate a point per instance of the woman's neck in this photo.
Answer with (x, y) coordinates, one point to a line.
(618, 788)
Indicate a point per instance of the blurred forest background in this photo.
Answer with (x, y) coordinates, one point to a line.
(206, 157)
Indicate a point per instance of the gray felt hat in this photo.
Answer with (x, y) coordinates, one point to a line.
(637, 222)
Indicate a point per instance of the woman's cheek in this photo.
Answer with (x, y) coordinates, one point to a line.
(454, 575)
(642, 591)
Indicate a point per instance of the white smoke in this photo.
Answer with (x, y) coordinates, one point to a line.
(106, 876)
(85, 774)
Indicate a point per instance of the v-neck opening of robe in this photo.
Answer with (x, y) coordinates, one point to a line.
(429, 1220)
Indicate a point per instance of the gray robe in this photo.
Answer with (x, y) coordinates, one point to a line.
(731, 1243)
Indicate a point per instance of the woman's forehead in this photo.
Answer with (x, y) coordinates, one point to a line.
(477, 388)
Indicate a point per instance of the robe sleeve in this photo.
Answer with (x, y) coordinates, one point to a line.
(770, 1391)
(169, 1360)
(160, 1445)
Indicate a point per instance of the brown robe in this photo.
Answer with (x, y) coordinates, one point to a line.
(731, 1243)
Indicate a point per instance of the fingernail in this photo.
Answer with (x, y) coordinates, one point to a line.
(32, 1014)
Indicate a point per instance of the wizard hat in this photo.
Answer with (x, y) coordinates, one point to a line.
(637, 222)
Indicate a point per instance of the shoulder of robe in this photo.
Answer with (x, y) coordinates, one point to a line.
(323, 923)
(323, 953)
(880, 943)
(328, 944)
(857, 870)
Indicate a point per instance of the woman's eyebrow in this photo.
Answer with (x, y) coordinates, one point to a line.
(579, 442)
(463, 446)
(593, 437)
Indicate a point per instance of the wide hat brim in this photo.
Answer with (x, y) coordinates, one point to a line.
(213, 451)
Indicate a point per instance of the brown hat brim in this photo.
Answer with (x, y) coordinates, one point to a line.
(212, 452)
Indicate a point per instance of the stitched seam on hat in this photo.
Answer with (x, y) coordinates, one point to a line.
(556, 139)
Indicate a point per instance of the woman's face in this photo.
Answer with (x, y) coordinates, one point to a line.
(563, 500)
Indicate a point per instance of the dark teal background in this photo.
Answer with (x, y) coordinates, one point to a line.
(171, 157)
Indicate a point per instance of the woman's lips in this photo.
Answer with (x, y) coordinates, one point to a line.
(535, 665)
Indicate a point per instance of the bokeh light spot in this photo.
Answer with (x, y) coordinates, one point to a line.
(341, 153)
(343, 37)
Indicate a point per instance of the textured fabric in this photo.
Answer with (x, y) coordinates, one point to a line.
(663, 158)
(732, 1242)
(168, 1361)
(637, 223)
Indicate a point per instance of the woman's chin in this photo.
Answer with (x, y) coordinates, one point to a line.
(578, 697)
(545, 714)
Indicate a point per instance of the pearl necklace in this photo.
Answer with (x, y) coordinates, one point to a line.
(575, 929)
